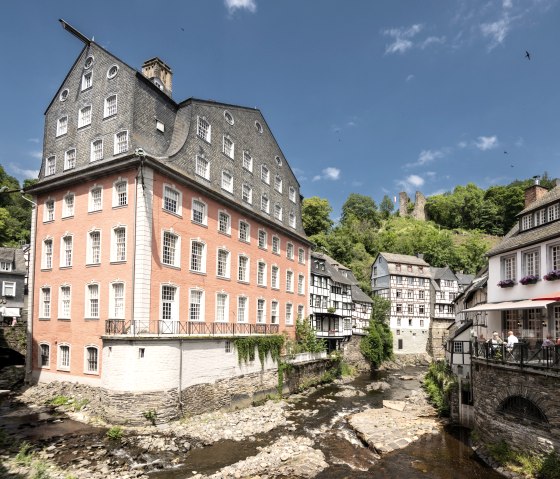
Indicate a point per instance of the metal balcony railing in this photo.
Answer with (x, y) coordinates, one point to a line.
(117, 327)
(521, 355)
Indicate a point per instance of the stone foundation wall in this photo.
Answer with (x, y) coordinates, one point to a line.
(493, 384)
(353, 355)
(300, 375)
(132, 408)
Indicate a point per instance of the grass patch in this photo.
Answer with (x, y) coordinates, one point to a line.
(71, 403)
(24, 456)
(40, 470)
(115, 433)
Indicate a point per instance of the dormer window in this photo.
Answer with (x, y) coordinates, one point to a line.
(526, 222)
(5, 266)
(554, 212)
(540, 217)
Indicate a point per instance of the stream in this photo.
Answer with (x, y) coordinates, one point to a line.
(321, 417)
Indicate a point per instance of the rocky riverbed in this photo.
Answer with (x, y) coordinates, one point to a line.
(281, 448)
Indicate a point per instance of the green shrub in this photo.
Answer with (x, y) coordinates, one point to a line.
(438, 383)
(115, 433)
(550, 467)
(151, 415)
(40, 470)
(59, 401)
(265, 345)
(25, 454)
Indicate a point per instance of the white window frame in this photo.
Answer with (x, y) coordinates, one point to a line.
(198, 294)
(50, 166)
(247, 193)
(245, 237)
(265, 203)
(62, 126)
(47, 256)
(92, 201)
(526, 221)
(109, 107)
(62, 362)
(227, 181)
(87, 361)
(274, 312)
(554, 256)
(289, 281)
(121, 142)
(70, 159)
(289, 314)
(64, 302)
(228, 147)
(242, 258)
(90, 299)
(261, 273)
(202, 259)
(204, 129)
(301, 256)
(224, 222)
(508, 266)
(119, 250)
(275, 244)
(66, 253)
(301, 284)
(261, 311)
(172, 196)
(290, 251)
(226, 266)
(173, 309)
(262, 239)
(300, 311)
(170, 253)
(553, 212)
(247, 161)
(292, 219)
(49, 210)
(114, 301)
(120, 198)
(222, 310)
(292, 194)
(68, 206)
(46, 302)
(96, 153)
(275, 277)
(9, 288)
(87, 80)
(265, 174)
(40, 355)
(244, 318)
(278, 211)
(278, 183)
(93, 251)
(84, 116)
(531, 260)
(196, 202)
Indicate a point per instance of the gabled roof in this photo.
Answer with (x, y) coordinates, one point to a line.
(15, 257)
(550, 197)
(404, 259)
(443, 273)
(464, 279)
(359, 296)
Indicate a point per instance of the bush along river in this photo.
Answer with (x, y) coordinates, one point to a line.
(371, 426)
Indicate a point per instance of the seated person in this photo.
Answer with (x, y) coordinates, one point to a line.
(494, 342)
(511, 340)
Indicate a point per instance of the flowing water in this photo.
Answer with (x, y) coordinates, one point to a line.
(321, 416)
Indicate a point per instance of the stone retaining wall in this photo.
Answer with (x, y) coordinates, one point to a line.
(492, 384)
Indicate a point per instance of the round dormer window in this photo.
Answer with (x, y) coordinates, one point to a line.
(278, 161)
(259, 127)
(89, 62)
(112, 71)
(229, 117)
(63, 94)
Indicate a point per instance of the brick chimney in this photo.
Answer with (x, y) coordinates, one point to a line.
(534, 192)
(159, 73)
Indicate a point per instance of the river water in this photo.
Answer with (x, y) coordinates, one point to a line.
(446, 455)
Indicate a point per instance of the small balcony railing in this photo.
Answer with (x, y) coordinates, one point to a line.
(521, 355)
(118, 327)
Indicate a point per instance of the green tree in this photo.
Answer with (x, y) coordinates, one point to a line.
(360, 207)
(386, 207)
(377, 345)
(315, 214)
(15, 212)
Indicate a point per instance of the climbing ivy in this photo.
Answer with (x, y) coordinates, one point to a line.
(264, 345)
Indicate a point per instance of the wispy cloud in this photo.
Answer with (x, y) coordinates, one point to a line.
(486, 142)
(496, 31)
(22, 172)
(402, 38)
(410, 183)
(462, 144)
(519, 142)
(330, 173)
(432, 41)
(428, 156)
(409, 77)
(38, 155)
(33, 140)
(233, 5)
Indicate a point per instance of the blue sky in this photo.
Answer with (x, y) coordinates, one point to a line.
(369, 97)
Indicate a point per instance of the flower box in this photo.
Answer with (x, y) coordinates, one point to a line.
(553, 275)
(506, 283)
(529, 279)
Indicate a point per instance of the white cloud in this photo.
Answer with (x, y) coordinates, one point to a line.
(519, 142)
(462, 144)
(409, 77)
(23, 173)
(428, 156)
(37, 154)
(486, 142)
(432, 41)
(497, 31)
(329, 173)
(33, 140)
(402, 38)
(233, 5)
(507, 4)
(410, 183)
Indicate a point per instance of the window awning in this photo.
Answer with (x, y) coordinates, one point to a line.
(524, 304)
(11, 312)
(549, 297)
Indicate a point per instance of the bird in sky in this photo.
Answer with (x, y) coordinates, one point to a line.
(527, 55)
(182, 29)
(505, 152)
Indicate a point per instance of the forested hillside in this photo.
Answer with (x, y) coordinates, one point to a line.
(462, 226)
(15, 211)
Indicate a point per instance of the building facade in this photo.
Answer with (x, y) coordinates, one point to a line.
(163, 230)
(405, 281)
(13, 274)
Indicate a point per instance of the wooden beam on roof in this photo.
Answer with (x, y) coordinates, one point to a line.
(73, 31)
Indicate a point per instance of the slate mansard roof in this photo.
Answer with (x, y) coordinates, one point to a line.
(166, 132)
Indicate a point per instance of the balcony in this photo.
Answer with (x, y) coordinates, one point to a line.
(121, 327)
(522, 355)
